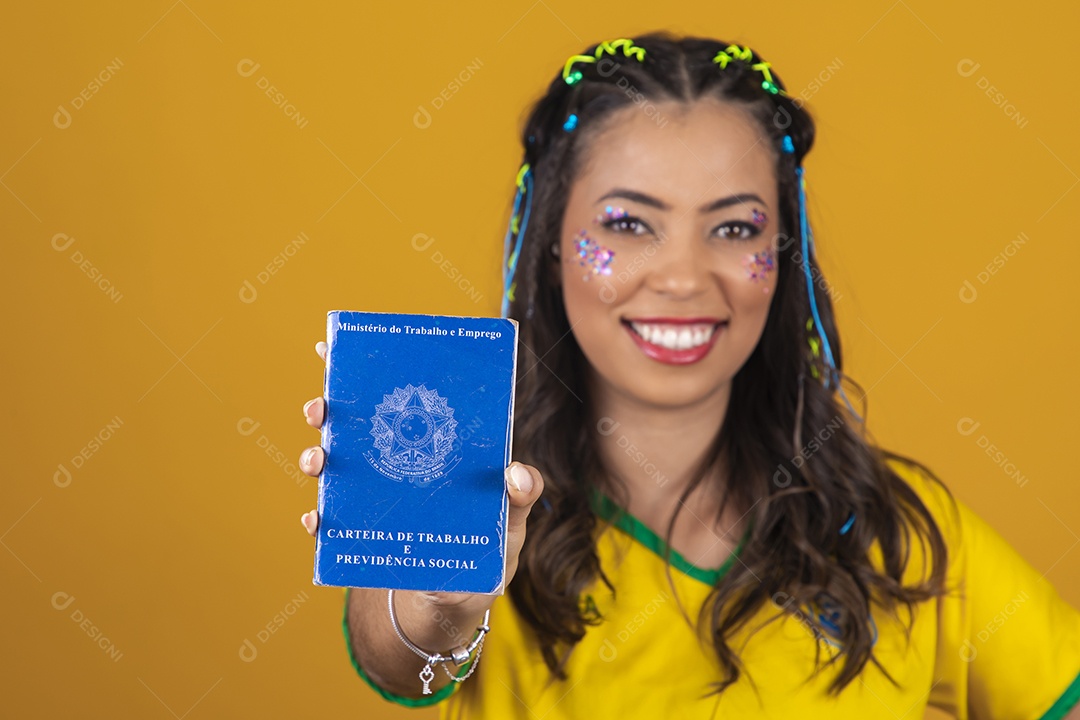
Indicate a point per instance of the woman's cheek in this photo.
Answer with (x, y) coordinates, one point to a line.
(594, 259)
(589, 269)
(759, 269)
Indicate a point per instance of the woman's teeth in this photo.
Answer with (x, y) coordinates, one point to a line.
(674, 337)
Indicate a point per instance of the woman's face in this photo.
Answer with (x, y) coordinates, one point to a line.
(668, 253)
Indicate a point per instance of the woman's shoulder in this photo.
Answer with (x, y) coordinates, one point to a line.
(918, 476)
(972, 543)
(948, 511)
(962, 529)
(998, 610)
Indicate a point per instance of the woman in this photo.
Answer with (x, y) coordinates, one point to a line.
(717, 537)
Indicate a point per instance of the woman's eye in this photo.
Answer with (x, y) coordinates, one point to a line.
(737, 230)
(626, 224)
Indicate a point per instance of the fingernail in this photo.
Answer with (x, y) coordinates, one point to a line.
(521, 478)
(309, 456)
(308, 404)
(303, 519)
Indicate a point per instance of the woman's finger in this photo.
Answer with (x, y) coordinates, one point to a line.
(310, 521)
(314, 412)
(524, 484)
(311, 460)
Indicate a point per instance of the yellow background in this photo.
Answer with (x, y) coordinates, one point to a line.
(180, 181)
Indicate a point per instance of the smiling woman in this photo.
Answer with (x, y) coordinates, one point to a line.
(667, 289)
(697, 292)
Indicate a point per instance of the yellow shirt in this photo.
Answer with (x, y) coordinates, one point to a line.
(1006, 647)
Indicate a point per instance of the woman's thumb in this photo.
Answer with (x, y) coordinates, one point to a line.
(524, 485)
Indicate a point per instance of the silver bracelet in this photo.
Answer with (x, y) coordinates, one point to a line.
(459, 654)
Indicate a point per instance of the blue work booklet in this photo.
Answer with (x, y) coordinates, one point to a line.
(418, 427)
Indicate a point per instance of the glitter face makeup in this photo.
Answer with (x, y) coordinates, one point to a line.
(610, 213)
(759, 265)
(593, 256)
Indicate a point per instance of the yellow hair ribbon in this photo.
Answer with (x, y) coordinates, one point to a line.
(573, 59)
(764, 68)
(744, 53)
(521, 176)
(626, 44)
(608, 47)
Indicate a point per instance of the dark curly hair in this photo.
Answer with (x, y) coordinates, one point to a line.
(795, 549)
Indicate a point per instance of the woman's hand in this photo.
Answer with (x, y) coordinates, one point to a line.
(523, 483)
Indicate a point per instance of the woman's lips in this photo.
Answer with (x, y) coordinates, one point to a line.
(676, 341)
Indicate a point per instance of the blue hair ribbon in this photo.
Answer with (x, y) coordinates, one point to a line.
(848, 524)
(807, 237)
(524, 185)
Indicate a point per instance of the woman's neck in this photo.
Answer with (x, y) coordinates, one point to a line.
(653, 450)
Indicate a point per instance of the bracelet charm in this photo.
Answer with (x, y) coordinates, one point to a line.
(426, 676)
(459, 655)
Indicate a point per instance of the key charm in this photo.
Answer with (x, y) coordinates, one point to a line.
(459, 654)
(426, 676)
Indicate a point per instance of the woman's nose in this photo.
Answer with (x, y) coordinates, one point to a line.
(678, 268)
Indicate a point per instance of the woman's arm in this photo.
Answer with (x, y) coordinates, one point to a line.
(427, 619)
(435, 622)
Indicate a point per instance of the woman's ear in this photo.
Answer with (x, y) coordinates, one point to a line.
(555, 263)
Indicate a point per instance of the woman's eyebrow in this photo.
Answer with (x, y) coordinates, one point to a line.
(741, 198)
(635, 196)
(644, 199)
